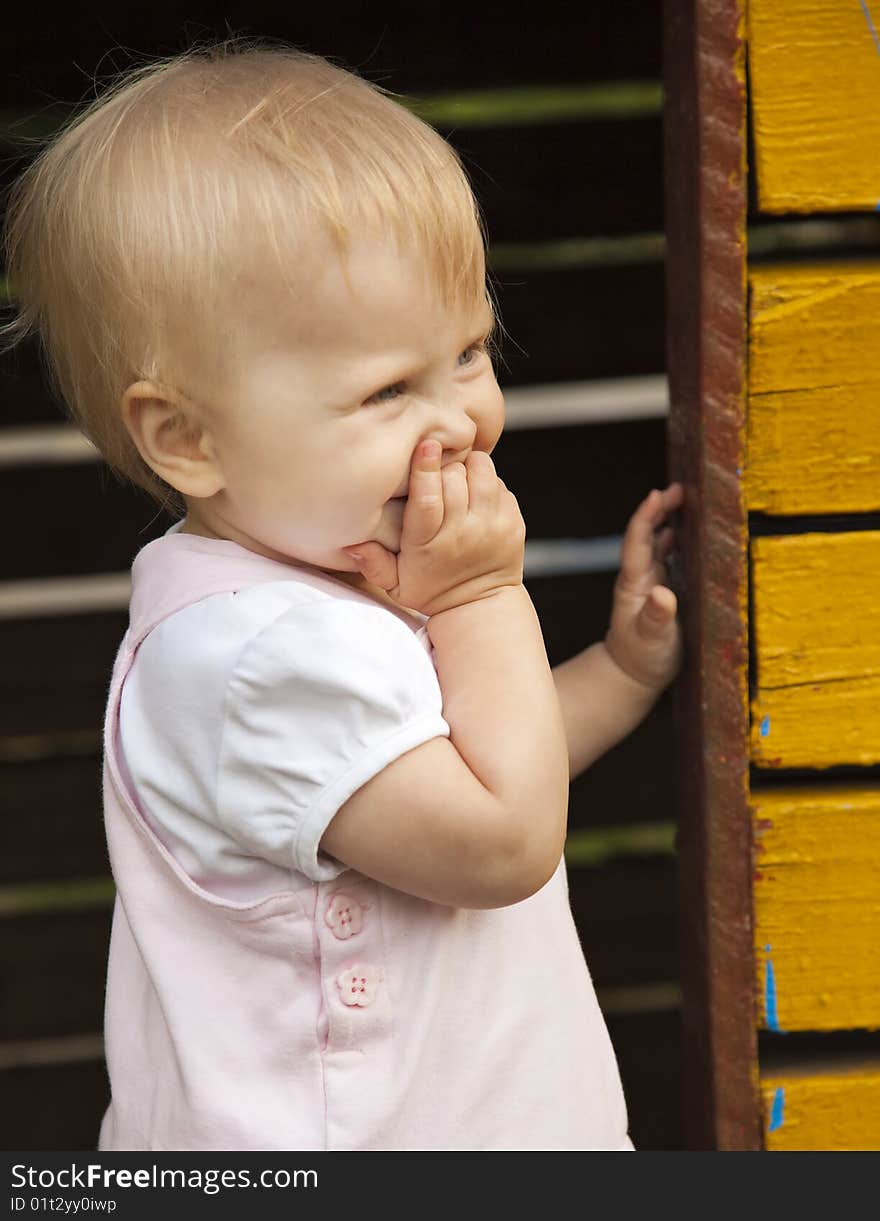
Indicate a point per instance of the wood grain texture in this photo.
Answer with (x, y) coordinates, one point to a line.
(817, 908)
(814, 388)
(815, 78)
(823, 1107)
(816, 624)
(705, 113)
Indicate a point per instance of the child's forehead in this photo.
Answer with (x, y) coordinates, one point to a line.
(373, 282)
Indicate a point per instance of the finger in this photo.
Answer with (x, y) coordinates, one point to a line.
(664, 541)
(423, 514)
(657, 614)
(637, 551)
(484, 486)
(375, 563)
(455, 492)
(659, 503)
(673, 497)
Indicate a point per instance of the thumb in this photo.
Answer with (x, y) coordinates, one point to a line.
(375, 564)
(657, 612)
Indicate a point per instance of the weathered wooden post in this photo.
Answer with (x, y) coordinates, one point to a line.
(705, 123)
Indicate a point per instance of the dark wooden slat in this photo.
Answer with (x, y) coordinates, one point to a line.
(634, 782)
(706, 205)
(566, 179)
(625, 913)
(52, 976)
(590, 322)
(56, 672)
(24, 387)
(651, 1055)
(580, 482)
(53, 1107)
(584, 480)
(111, 523)
(781, 1052)
(52, 820)
(393, 44)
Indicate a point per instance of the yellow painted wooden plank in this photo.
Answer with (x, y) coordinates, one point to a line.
(815, 90)
(806, 318)
(814, 388)
(822, 1107)
(816, 632)
(823, 726)
(816, 607)
(816, 901)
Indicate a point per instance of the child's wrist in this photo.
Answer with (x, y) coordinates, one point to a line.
(649, 688)
(495, 596)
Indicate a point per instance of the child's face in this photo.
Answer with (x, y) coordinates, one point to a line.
(331, 395)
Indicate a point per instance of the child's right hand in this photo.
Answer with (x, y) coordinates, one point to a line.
(463, 536)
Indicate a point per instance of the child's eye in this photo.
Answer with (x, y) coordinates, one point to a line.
(387, 394)
(471, 352)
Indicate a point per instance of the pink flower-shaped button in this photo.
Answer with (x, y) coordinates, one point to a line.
(357, 985)
(344, 915)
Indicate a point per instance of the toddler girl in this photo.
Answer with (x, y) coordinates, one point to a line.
(336, 758)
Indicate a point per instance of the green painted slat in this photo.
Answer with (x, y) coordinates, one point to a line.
(21, 127)
(64, 744)
(533, 104)
(631, 250)
(40, 898)
(605, 844)
(518, 107)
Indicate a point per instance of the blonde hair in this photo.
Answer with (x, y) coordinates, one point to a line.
(130, 228)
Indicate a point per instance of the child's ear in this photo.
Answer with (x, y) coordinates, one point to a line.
(170, 438)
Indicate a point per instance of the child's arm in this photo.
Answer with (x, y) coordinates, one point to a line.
(606, 690)
(477, 820)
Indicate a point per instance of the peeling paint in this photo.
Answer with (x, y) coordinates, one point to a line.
(770, 1015)
(817, 904)
(777, 1115)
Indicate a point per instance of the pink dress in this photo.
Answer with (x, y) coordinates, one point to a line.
(344, 1014)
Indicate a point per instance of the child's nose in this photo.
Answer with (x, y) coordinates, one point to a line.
(456, 431)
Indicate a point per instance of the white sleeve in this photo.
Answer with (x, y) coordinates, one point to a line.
(318, 703)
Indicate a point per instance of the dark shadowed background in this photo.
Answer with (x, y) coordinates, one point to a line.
(556, 112)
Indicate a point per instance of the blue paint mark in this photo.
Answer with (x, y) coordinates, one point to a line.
(765, 727)
(870, 25)
(777, 1118)
(770, 997)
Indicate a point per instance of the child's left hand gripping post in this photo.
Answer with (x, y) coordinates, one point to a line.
(644, 637)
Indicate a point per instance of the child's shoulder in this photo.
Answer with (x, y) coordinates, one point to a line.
(214, 593)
